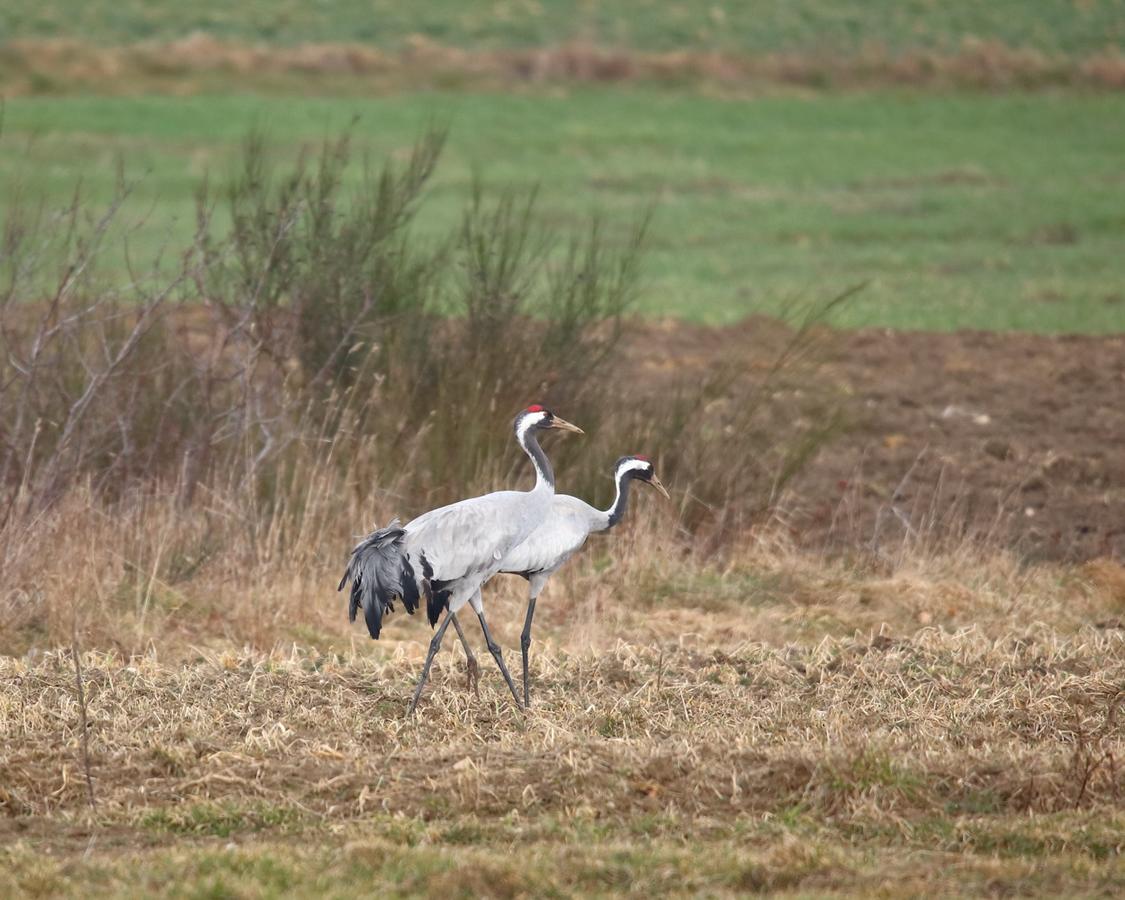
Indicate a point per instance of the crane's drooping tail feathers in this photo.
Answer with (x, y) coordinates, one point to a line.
(380, 571)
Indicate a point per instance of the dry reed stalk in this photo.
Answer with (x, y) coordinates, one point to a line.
(83, 722)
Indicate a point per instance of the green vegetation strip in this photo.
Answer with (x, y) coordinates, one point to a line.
(467, 857)
(814, 26)
(958, 211)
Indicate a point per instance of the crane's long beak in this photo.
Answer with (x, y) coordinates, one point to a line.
(557, 422)
(655, 482)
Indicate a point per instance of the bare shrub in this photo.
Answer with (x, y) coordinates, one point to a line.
(336, 259)
(82, 370)
(235, 413)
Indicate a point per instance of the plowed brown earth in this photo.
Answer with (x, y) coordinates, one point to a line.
(1012, 438)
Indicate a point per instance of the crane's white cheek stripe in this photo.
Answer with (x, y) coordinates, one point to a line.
(525, 423)
(633, 465)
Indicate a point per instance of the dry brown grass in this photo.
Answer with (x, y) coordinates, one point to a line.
(771, 722)
(872, 727)
(202, 62)
(147, 571)
(757, 721)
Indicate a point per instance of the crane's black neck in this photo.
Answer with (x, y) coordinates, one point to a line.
(617, 510)
(544, 474)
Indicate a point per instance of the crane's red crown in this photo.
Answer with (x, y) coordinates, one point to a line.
(535, 407)
(643, 458)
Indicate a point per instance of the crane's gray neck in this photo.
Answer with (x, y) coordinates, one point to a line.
(544, 474)
(617, 510)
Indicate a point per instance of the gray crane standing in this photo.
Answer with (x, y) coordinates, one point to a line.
(562, 533)
(445, 555)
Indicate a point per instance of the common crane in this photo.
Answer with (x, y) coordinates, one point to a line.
(563, 533)
(445, 555)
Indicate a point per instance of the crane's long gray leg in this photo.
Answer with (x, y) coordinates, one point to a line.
(470, 657)
(525, 643)
(494, 649)
(435, 645)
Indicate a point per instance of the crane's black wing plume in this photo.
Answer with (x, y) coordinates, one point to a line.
(380, 571)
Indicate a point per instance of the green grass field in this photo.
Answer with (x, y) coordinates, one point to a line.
(1050, 26)
(958, 211)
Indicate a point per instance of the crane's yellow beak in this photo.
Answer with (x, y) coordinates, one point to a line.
(655, 482)
(558, 422)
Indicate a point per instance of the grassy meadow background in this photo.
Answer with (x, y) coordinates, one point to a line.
(964, 211)
(719, 708)
(1056, 26)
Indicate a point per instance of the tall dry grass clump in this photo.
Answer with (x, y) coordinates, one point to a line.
(190, 449)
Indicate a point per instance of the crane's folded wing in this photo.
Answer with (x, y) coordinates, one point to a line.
(553, 542)
(472, 536)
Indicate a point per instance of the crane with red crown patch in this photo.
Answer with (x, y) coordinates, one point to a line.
(447, 554)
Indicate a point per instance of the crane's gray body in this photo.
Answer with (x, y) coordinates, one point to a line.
(567, 525)
(445, 555)
(460, 546)
(562, 533)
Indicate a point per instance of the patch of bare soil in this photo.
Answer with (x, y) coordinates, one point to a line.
(1016, 439)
